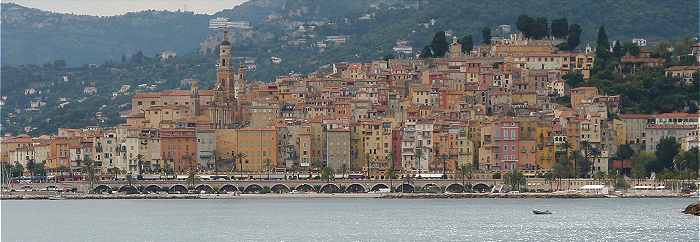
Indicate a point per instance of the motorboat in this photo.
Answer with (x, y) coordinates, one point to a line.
(535, 211)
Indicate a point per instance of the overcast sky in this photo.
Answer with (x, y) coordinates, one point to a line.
(117, 7)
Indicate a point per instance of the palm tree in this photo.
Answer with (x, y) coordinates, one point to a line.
(368, 165)
(444, 158)
(344, 167)
(327, 174)
(419, 154)
(268, 164)
(464, 171)
(192, 178)
(88, 167)
(548, 177)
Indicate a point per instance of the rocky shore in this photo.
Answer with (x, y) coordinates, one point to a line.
(693, 209)
(81, 196)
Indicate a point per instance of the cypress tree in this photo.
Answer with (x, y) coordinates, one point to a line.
(574, 37)
(602, 51)
(560, 28)
(439, 44)
(467, 43)
(486, 35)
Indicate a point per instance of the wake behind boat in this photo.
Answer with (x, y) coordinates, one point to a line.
(535, 211)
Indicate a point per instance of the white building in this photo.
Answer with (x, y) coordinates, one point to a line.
(225, 23)
(206, 145)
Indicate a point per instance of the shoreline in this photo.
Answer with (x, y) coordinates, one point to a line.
(339, 196)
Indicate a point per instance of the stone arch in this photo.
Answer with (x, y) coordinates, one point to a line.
(481, 187)
(228, 188)
(205, 188)
(253, 188)
(407, 188)
(280, 188)
(128, 189)
(102, 189)
(432, 188)
(305, 188)
(153, 188)
(330, 188)
(455, 188)
(376, 187)
(355, 188)
(178, 188)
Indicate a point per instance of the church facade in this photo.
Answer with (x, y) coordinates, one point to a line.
(219, 107)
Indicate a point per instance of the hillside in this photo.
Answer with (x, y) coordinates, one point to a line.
(32, 36)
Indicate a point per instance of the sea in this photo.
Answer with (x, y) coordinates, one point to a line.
(350, 219)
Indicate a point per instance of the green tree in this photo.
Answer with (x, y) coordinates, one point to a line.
(574, 37)
(526, 25)
(465, 171)
(666, 151)
(427, 52)
(574, 79)
(562, 168)
(467, 43)
(602, 49)
(640, 164)
(391, 174)
(582, 164)
(541, 28)
(624, 152)
(630, 48)
(36, 168)
(689, 160)
(88, 167)
(618, 51)
(17, 170)
(268, 167)
(439, 45)
(560, 28)
(549, 178)
(419, 156)
(6, 171)
(192, 178)
(486, 35)
(327, 174)
(515, 179)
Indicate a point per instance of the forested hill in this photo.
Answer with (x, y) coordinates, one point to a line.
(32, 36)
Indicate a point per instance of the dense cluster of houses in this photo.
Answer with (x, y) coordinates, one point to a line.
(496, 109)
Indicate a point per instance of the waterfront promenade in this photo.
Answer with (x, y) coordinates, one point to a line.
(358, 187)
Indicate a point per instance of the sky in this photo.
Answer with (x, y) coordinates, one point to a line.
(118, 7)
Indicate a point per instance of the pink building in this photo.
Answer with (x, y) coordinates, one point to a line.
(506, 137)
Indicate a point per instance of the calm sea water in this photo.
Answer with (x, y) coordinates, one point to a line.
(349, 220)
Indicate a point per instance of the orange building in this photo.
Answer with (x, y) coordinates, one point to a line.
(258, 144)
(179, 147)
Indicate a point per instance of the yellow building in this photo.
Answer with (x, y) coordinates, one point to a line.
(257, 144)
(376, 142)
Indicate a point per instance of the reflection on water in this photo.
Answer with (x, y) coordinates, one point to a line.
(348, 220)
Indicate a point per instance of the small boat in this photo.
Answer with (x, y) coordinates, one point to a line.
(541, 212)
(56, 197)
